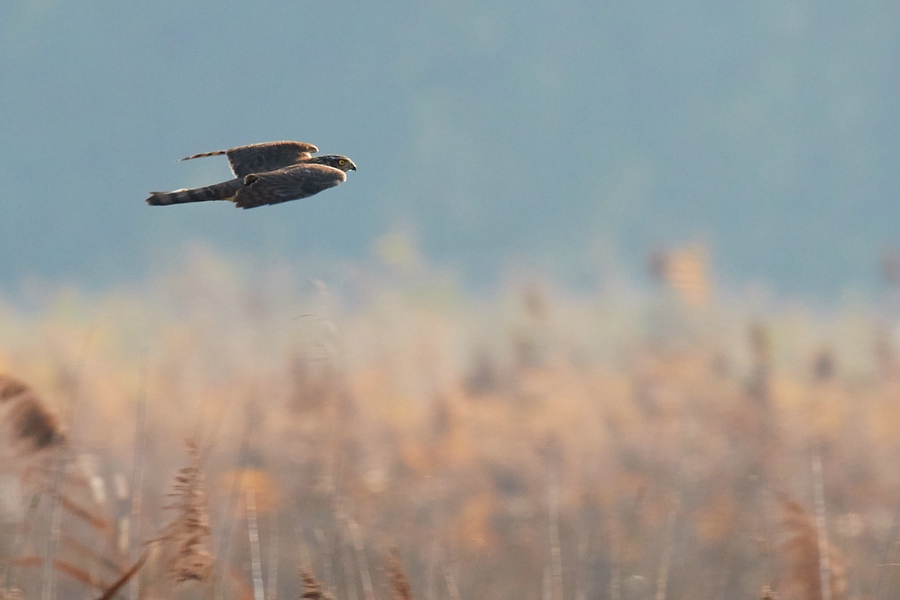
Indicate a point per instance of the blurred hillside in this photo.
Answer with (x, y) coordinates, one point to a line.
(567, 136)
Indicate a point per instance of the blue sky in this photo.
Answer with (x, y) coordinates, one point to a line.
(556, 136)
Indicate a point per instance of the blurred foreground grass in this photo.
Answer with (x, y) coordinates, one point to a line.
(533, 443)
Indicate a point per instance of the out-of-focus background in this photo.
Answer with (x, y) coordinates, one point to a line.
(608, 312)
(570, 135)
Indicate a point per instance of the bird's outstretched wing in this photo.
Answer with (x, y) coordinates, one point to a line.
(260, 158)
(290, 183)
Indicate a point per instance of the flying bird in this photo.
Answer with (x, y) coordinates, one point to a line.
(268, 173)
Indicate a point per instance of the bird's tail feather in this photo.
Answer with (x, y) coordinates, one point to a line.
(201, 155)
(219, 191)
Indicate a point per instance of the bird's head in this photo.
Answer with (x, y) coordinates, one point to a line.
(335, 160)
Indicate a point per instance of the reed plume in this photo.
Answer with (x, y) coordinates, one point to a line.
(402, 590)
(25, 421)
(312, 587)
(800, 549)
(189, 534)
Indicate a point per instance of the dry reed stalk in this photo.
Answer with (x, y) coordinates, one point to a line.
(65, 567)
(546, 585)
(615, 579)
(137, 475)
(79, 574)
(51, 542)
(273, 555)
(327, 559)
(821, 528)
(253, 536)
(117, 585)
(556, 589)
(84, 550)
(28, 561)
(347, 565)
(402, 590)
(662, 579)
(61, 460)
(450, 579)
(581, 564)
(189, 533)
(763, 543)
(238, 579)
(889, 552)
(620, 541)
(234, 496)
(430, 583)
(21, 537)
(82, 513)
(363, 565)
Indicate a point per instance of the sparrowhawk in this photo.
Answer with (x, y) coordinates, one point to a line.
(268, 173)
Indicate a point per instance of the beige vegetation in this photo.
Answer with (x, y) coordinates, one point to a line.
(397, 437)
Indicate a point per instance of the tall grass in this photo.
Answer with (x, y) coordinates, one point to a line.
(534, 443)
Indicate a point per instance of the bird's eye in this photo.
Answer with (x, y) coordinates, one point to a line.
(342, 162)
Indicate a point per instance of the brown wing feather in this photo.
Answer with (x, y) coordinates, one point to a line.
(258, 158)
(270, 156)
(290, 183)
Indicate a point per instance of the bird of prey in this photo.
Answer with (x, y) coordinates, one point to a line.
(268, 173)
